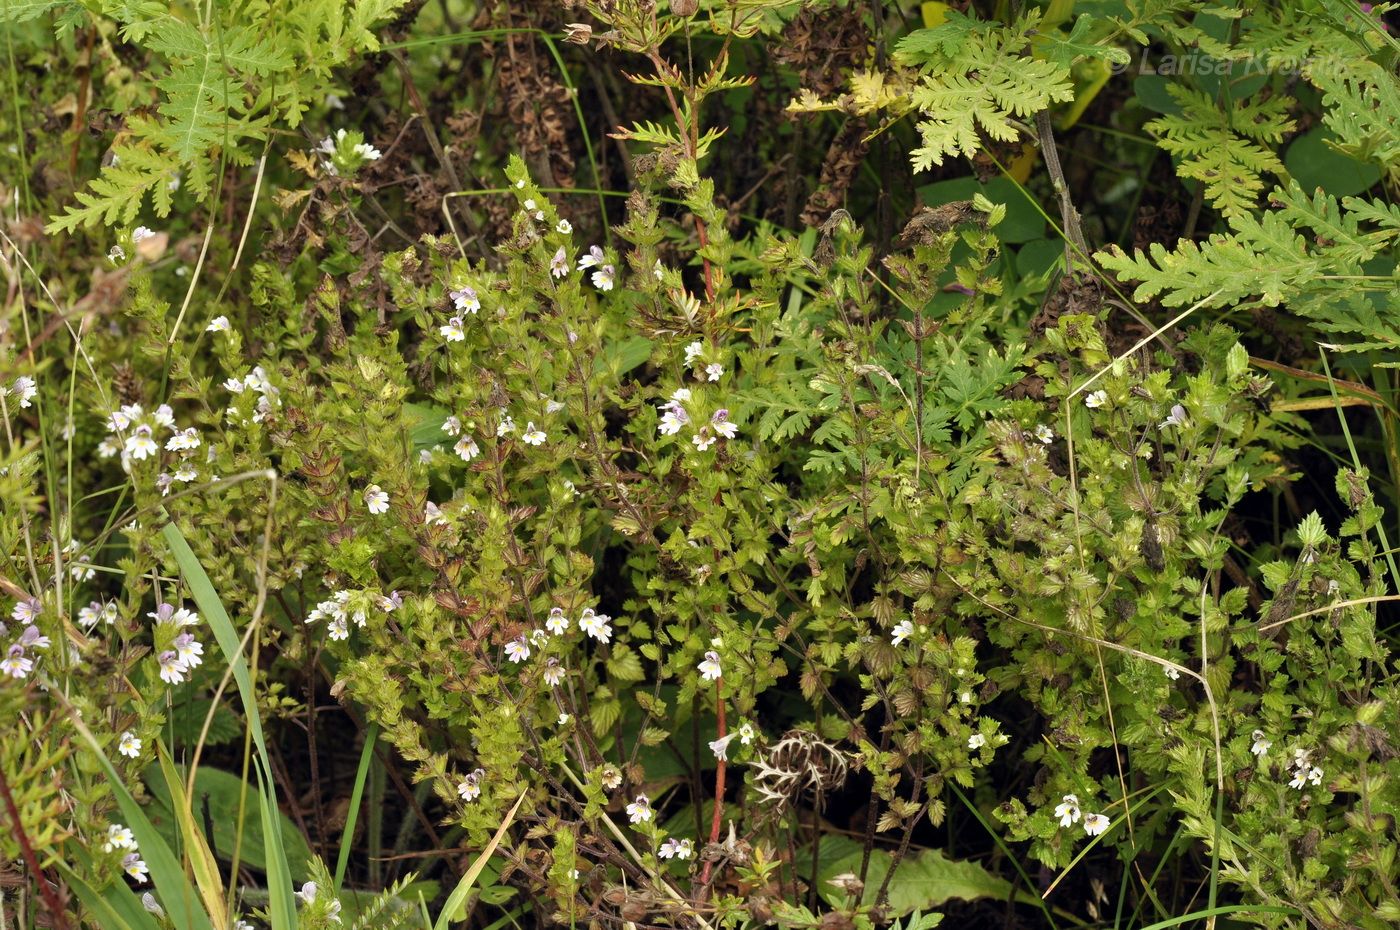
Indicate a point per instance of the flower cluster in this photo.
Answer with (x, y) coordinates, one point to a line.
(709, 371)
(344, 607)
(136, 436)
(18, 661)
(120, 838)
(675, 417)
(308, 895)
(1069, 813)
(345, 152)
(178, 652)
(1304, 772)
(257, 382)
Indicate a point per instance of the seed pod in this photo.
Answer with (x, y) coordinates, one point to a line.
(684, 8)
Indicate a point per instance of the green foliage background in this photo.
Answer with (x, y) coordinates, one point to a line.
(1001, 396)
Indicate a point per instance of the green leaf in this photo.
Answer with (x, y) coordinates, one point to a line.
(1314, 162)
(218, 792)
(921, 881)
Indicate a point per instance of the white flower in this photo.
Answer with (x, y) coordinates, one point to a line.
(611, 777)
(1171, 673)
(693, 351)
(639, 811)
(141, 233)
(703, 440)
(16, 664)
(533, 436)
(721, 424)
(465, 299)
(307, 894)
(1260, 746)
(672, 419)
(376, 499)
(505, 427)
(746, 733)
(563, 227)
(217, 325)
(518, 650)
(1094, 824)
(720, 747)
(108, 448)
(1068, 810)
(594, 257)
(469, 788)
(26, 610)
(140, 445)
(553, 675)
(148, 901)
(976, 741)
(466, 448)
(529, 204)
(559, 264)
(189, 650)
(1096, 399)
(129, 745)
(243, 925)
(520, 184)
(24, 388)
(676, 849)
(659, 271)
(604, 278)
(902, 631)
(452, 426)
(714, 371)
(172, 670)
(94, 611)
(184, 440)
(1045, 434)
(119, 837)
(31, 638)
(709, 668)
(134, 866)
(433, 515)
(452, 330)
(1177, 417)
(558, 624)
(337, 629)
(116, 254)
(595, 625)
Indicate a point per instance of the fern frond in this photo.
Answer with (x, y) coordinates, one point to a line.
(1224, 149)
(978, 79)
(115, 196)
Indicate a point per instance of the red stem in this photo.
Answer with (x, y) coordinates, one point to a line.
(719, 785)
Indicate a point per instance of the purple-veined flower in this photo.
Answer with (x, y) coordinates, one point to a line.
(518, 650)
(709, 667)
(639, 811)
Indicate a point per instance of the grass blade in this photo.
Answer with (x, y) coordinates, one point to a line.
(281, 906)
(464, 887)
(197, 852)
(348, 834)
